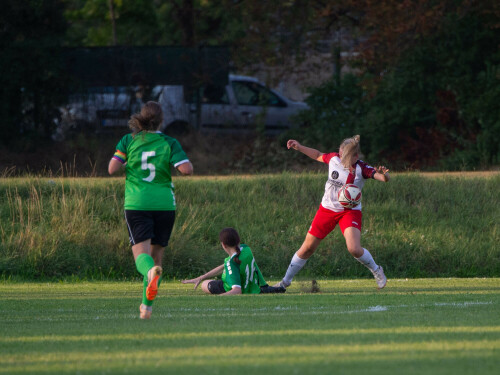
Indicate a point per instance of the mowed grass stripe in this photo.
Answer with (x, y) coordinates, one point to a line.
(274, 333)
(212, 356)
(62, 314)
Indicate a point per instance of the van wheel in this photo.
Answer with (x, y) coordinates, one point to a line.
(177, 128)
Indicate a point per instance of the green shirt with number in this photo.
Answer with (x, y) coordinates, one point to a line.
(148, 157)
(245, 275)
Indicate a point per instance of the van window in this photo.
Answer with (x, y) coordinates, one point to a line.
(209, 94)
(251, 93)
(213, 94)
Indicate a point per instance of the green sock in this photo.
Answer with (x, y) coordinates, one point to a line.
(144, 263)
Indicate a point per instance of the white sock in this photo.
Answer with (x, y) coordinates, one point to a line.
(295, 266)
(367, 260)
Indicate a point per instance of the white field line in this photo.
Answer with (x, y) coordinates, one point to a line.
(280, 310)
(67, 314)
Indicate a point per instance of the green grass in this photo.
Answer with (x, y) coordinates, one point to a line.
(415, 326)
(414, 226)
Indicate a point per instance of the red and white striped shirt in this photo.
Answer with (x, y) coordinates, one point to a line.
(338, 176)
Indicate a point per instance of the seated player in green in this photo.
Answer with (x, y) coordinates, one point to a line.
(240, 273)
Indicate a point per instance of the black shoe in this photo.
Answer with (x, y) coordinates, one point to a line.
(272, 289)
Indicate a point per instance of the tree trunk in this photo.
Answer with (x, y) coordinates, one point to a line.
(113, 21)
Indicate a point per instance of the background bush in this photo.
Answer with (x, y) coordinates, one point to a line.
(437, 107)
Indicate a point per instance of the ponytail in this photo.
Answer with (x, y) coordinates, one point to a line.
(236, 258)
(149, 118)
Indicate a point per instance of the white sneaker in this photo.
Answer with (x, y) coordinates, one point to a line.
(380, 277)
(282, 284)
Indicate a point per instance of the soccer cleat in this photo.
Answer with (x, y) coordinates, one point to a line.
(153, 278)
(282, 284)
(145, 311)
(272, 289)
(380, 277)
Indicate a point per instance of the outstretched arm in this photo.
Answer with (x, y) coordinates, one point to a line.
(382, 174)
(215, 272)
(311, 152)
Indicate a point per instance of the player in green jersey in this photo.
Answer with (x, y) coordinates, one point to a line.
(148, 155)
(240, 273)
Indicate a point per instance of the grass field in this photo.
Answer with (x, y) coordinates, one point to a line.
(415, 326)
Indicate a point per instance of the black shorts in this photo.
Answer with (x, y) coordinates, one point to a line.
(216, 287)
(154, 225)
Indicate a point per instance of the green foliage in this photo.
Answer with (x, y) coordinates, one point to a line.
(480, 107)
(177, 22)
(427, 105)
(333, 114)
(437, 107)
(414, 226)
(137, 22)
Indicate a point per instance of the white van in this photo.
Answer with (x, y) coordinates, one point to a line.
(100, 108)
(241, 106)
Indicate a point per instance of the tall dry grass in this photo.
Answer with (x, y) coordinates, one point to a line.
(414, 226)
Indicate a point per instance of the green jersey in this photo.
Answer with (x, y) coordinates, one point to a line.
(148, 157)
(245, 275)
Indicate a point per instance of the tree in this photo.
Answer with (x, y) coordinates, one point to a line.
(430, 104)
(275, 33)
(131, 22)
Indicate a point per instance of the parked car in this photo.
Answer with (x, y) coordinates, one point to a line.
(242, 105)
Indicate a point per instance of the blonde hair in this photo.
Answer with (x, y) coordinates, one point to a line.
(149, 119)
(349, 148)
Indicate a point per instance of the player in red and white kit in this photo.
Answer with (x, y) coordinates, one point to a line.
(344, 167)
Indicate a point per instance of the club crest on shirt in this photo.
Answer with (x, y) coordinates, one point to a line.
(335, 175)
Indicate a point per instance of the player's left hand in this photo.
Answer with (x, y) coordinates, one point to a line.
(382, 169)
(381, 173)
(196, 282)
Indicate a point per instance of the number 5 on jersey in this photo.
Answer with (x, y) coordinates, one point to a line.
(145, 165)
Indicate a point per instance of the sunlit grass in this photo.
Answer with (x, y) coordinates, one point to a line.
(413, 326)
(287, 333)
